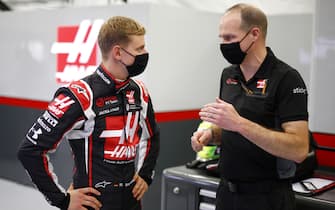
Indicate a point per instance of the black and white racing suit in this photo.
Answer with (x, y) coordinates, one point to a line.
(112, 131)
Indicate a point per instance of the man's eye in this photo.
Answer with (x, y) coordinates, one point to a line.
(227, 38)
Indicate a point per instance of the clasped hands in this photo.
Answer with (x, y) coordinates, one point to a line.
(219, 113)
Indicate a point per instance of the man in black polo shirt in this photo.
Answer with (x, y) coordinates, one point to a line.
(260, 118)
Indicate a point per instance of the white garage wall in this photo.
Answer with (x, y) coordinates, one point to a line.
(322, 96)
(185, 61)
(182, 44)
(269, 6)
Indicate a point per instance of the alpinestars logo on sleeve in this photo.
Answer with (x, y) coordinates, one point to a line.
(76, 50)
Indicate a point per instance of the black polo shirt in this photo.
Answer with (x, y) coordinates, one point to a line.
(274, 95)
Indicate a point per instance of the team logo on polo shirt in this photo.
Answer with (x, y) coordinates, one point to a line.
(231, 81)
(299, 90)
(262, 84)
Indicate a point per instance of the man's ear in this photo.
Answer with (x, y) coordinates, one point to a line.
(115, 52)
(256, 32)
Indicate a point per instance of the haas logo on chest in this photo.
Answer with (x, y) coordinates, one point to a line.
(121, 137)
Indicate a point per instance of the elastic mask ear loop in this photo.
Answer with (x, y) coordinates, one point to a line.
(244, 38)
(249, 46)
(127, 52)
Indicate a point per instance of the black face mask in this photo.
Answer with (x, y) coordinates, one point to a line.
(232, 52)
(139, 64)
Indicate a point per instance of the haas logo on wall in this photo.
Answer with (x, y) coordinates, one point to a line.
(76, 50)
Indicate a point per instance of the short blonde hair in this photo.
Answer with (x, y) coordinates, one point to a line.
(116, 30)
(251, 16)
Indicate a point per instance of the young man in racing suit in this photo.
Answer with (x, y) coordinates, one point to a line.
(109, 121)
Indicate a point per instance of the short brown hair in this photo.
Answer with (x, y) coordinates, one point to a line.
(116, 30)
(251, 16)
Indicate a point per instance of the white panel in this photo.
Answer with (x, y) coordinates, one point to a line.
(268, 6)
(183, 70)
(290, 37)
(28, 65)
(323, 74)
(185, 59)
